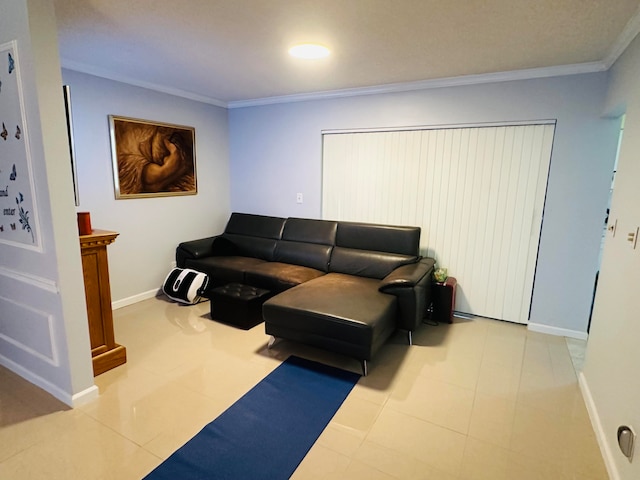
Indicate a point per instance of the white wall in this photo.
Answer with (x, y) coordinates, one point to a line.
(610, 376)
(43, 321)
(276, 152)
(150, 228)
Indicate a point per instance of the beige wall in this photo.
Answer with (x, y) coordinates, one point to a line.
(610, 377)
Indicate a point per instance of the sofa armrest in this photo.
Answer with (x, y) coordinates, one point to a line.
(200, 248)
(411, 284)
(406, 276)
(215, 246)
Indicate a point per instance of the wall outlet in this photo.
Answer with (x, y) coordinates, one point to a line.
(299, 198)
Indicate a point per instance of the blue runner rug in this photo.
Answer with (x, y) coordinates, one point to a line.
(266, 433)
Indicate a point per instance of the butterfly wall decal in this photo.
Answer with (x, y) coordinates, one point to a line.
(4, 133)
(21, 196)
(12, 64)
(13, 226)
(13, 173)
(1, 228)
(0, 86)
(18, 132)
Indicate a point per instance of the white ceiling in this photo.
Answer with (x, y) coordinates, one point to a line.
(232, 52)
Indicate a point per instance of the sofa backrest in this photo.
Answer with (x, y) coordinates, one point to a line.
(254, 235)
(307, 242)
(370, 250)
(364, 249)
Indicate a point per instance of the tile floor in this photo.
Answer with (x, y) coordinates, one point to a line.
(478, 399)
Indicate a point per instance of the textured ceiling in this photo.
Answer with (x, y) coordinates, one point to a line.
(236, 50)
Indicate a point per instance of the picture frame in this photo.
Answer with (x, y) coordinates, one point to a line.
(66, 91)
(152, 159)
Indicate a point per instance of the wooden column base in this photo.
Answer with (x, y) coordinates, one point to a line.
(110, 359)
(105, 352)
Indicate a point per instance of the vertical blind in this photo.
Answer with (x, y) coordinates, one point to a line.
(477, 192)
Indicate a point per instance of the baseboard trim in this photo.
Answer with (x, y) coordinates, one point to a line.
(135, 299)
(598, 429)
(73, 400)
(560, 332)
(85, 396)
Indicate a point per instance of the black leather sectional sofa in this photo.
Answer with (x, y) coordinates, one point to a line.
(341, 286)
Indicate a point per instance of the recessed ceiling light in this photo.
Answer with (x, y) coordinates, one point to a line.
(309, 50)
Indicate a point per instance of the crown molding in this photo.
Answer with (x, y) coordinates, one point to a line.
(98, 72)
(629, 32)
(525, 74)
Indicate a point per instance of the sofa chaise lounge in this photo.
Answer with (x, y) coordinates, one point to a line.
(341, 286)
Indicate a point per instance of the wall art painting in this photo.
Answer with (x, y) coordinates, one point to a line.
(152, 159)
(18, 212)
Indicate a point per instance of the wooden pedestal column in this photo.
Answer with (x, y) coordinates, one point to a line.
(105, 352)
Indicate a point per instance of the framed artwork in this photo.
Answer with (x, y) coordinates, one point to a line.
(19, 224)
(152, 159)
(74, 171)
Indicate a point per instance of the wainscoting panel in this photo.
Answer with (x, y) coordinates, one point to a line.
(477, 192)
(28, 329)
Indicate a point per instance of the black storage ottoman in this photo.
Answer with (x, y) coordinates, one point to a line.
(237, 304)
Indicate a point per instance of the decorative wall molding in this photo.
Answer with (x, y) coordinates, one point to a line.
(33, 280)
(526, 74)
(627, 35)
(630, 31)
(32, 317)
(98, 72)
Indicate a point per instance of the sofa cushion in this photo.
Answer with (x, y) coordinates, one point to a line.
(382, 238)
(277, 277)
(248, 246)
(307, 242)
(223, 270)
(334, 309)
(305, 254)
(310, 231)
(255, 225)
(366, 263)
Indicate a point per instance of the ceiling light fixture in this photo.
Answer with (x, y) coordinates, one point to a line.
(309, 51)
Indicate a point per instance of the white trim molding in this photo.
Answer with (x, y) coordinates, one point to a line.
(630, 31)
(85, 396)
(73, 400)
(99, 72)
(33, 280)
(598, 429)
(525, 74)
(560, 332)
(135, 299)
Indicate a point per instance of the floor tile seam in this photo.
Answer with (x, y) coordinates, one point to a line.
(352, 460)
(379, 407)
(559, 465)
(430, 422)
(19, 452)
(120, 434)
(440, 379)
(520, 375)
(556, 410)
(99, 423)
(408, 455)
(556, 368)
